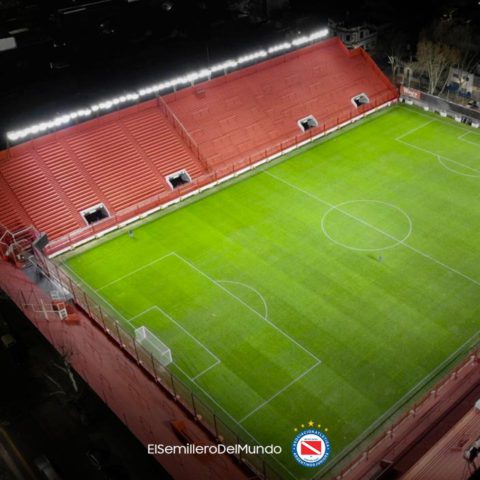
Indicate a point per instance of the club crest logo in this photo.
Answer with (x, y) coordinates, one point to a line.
(311, 447)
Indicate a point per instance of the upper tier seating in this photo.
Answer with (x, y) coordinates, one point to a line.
(251, 109)
(123, 158)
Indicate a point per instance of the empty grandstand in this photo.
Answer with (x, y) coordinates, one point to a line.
(315, 291)
(123, 160)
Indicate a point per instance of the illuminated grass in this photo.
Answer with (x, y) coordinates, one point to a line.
(323, 288)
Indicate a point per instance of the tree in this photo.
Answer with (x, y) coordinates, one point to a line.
(434, 59)
(394, 62)
(447, 42)
(459, 34)
(396, 47)
(393, 45)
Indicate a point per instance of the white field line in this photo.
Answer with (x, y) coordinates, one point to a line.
(408, 395)
(131, 319)
(76, 275)
(470, 142)
(444, 122)
(227, 414)
(416, 250)
(418, 127)
(463, 139)
(317, 360)
(193, 380)
(240, 426)
(218, 361)
(456, 162)
(135, 271)
(195, 339)
(475, 133)
(215, 282)
(399, 139)
(227, 177)
(286, 387)
(253, 289)
(265, 318)
(437, 155)
(205, 371)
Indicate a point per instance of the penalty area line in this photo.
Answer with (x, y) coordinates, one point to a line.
(99, 298)
(418, 127)
(276, 327)
(286, 387)
(236, 422)
(437, 155)
(159, 259)
(463, 139)
(205, 371)
(449, 123)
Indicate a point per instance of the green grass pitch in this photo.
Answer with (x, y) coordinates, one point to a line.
(322, 288)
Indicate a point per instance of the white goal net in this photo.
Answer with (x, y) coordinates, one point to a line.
(154, 345)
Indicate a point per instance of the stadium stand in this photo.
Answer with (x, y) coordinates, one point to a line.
(124, 158)
(11, 213)
(247, 111)
(117, 160)
(445, 460)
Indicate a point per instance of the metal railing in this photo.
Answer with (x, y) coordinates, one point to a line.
(441, 104)
(382, 434)
(386, 433)
(182, 132)
(220, 174)
(220, 424)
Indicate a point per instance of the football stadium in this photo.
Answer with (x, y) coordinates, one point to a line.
(276, 243)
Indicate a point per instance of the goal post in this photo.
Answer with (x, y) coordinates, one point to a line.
(153, 345)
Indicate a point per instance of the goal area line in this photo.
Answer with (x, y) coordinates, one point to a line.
(217, 361)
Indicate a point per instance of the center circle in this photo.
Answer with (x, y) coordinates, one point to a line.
(366, 225)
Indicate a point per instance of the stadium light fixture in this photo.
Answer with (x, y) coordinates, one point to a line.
(187, 79)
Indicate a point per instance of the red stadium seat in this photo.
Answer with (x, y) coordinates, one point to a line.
(123, 158)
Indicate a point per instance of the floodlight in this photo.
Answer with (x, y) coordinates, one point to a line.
(189, 78)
